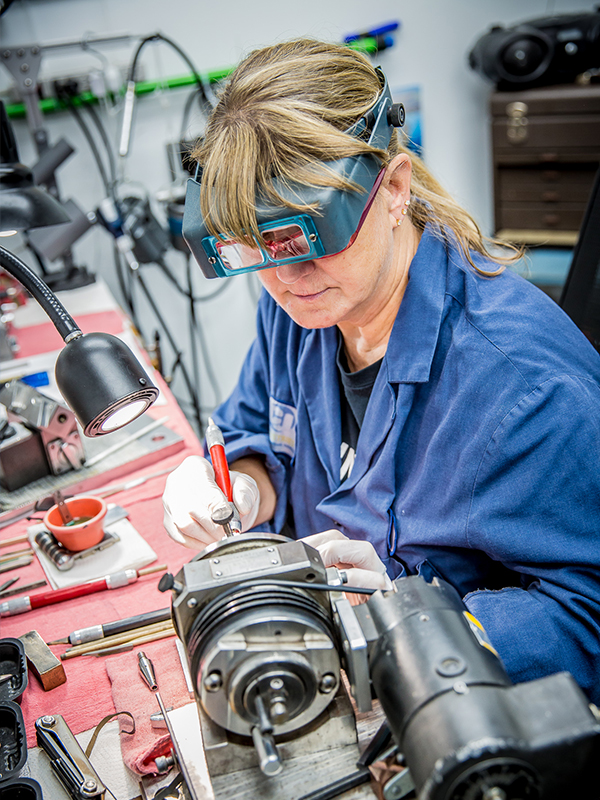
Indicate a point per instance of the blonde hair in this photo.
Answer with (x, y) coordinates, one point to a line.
(283, 113)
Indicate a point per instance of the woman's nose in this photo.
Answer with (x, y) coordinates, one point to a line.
(290, 273)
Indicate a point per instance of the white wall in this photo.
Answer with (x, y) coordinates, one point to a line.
(431, 51)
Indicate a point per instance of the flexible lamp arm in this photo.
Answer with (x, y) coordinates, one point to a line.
(96, 373)
(63, 321)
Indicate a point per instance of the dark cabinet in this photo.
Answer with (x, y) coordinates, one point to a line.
(546, 152)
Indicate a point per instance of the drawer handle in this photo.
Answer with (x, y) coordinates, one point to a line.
(552, 220)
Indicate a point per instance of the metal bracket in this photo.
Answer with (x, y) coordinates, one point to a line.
(355, 652)
(24, 63)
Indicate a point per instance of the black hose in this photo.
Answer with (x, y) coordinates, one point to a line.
(62, 320)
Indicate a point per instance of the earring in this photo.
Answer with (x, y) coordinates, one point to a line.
(399, 222)
(405, 210)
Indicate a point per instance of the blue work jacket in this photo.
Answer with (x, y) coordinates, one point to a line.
(478, 459)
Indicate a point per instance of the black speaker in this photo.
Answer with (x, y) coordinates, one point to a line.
(539, 52)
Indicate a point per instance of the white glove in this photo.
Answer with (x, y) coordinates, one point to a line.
(357, 558)
(192, 496)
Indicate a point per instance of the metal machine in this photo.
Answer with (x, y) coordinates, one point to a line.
(40, 438)
(266, 629)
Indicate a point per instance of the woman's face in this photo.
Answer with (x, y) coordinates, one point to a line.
(352, 287)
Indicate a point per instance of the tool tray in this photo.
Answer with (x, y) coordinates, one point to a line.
(13, 662)
(13, 741)
(21, 789)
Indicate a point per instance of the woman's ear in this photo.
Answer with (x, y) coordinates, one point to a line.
(397, 183)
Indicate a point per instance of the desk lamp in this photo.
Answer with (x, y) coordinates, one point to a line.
(96, 373)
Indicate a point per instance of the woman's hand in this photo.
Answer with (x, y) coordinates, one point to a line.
(192, 496)
(357, 558)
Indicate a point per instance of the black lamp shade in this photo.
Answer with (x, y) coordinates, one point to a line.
(22, 204)
(103, 382)
(27, 206)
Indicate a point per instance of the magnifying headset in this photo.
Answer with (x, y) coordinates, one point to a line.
(287, 238)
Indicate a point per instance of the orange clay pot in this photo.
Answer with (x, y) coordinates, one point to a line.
(83, 534)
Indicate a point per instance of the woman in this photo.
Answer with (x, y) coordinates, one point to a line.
(417, 407)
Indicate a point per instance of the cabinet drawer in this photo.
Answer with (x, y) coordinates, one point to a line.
(547, 134)
(544, 185)
(561, 217)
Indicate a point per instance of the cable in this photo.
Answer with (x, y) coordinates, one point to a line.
(187, 292)
(107, 145)
(203, 88)
(173, 344)
(193, 330)
(208, 364)
(65, 95)
(186, 113)
(125, 290)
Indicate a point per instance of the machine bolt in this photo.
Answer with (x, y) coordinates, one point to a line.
(423, 618)
(192, 602)
(276, 684)
(494, 793)
(213, 682)
(460, 687)
(273, 561)
(278, 712)
(90, 787)
(6, 54)
(49, 721)
(35, 51)
(24, 67)
(270, 549)
(216, 560)
(218, 573)
(28, 82)
(328, 683)
(142, 381)
(20, 52)
(450, 667)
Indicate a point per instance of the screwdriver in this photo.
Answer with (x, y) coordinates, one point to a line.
(98, 632)
(19, 605)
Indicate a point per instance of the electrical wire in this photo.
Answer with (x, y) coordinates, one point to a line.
(208, 363)
(186, 113)
(193, 328)
(188, 292)
(203, 88)
(63, 95)
(112, 162)
(125, 290)
(196, 329)
(176, 350)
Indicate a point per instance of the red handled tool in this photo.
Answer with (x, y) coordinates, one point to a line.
(216, 446)
(19, 605)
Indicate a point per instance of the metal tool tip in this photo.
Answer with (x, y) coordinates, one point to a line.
(211, 421)
(59, 641)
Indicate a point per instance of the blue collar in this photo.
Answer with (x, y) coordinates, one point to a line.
(416, 329)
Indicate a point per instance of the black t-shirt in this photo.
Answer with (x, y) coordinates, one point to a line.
(355, 391)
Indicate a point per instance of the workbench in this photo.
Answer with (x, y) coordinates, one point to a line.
(85, 698)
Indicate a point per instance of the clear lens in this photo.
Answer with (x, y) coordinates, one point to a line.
(282, 243)
(286, 242)
(235, 255)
